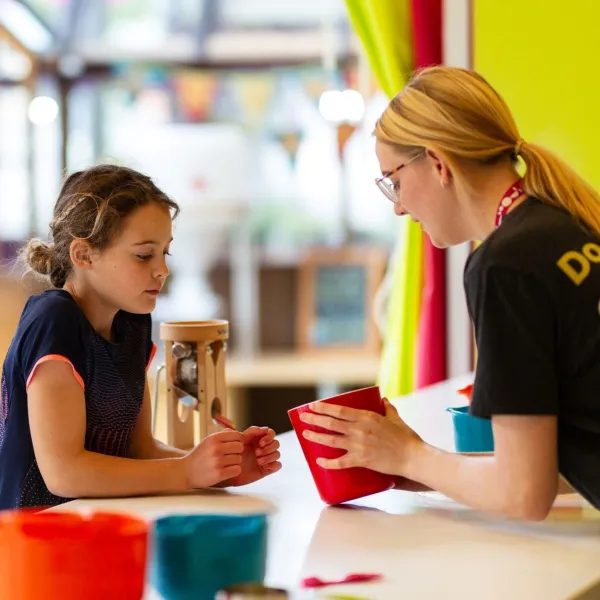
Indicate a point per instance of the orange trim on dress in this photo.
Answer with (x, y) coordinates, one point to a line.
(54, 357)
(152, 353)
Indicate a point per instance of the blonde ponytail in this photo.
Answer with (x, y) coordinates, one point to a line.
(551, 180)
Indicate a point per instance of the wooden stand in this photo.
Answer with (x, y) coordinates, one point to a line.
(195, 367)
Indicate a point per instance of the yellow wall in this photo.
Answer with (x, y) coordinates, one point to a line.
(543, 56)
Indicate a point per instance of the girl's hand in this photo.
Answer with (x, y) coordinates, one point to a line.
(383, 444)
(260, 456)
(216, 458)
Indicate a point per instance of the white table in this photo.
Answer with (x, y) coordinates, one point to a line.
(426, 548)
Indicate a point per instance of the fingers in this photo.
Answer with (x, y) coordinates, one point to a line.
(229, 459)
(261, 436)
(268, 437)
(330, 423)
(333, 441)
(337, 411)
(344, 462)
(270, 448)
(271, 468)
(230, 448)
(267, 460)
(227, 435)
(390, 409)
(254, 431)
(229, 472)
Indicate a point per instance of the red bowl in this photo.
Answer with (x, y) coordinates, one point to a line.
(341, 485)
(68, 556)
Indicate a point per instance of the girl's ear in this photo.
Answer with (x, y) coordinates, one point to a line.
(81, 254)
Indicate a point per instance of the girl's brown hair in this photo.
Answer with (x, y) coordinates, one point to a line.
(458, 114)
(92, 205)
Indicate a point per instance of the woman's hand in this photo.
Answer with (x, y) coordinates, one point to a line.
(380, 443)
(260, 456)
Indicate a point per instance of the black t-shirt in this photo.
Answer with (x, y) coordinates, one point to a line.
(533, 293)
(112, 376)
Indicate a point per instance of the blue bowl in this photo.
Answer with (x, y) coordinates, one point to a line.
(194, 556)
(471, 434)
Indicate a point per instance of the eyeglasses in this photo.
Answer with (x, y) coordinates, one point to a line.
(387, 186)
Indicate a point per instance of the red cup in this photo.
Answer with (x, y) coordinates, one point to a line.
(341, 485)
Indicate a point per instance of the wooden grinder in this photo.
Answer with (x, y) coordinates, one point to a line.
(195, 369)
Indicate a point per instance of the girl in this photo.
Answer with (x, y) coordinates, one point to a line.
(448, 148)
(75, 406)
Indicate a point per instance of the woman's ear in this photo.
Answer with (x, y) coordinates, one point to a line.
(81, 254)
(441, 167)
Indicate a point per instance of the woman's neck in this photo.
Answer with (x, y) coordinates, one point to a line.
(99, 314)
(488, 188)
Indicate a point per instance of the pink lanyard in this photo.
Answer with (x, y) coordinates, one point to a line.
(512, 193)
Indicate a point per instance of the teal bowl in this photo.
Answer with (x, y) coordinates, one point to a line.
(471, 434)
(194, 556)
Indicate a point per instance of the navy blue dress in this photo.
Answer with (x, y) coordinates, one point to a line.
(111, 374)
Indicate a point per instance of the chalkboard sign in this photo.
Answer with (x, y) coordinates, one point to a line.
(336, 292)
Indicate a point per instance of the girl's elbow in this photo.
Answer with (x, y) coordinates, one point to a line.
(62, 490)
(60, 484)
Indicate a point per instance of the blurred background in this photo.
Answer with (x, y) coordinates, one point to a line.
(236, 110)
(256, 116)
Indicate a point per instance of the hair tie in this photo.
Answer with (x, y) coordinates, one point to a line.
(518, 146)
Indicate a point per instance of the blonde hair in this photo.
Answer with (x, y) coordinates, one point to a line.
(456, 113)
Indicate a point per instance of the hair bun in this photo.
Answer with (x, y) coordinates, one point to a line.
(40, 256)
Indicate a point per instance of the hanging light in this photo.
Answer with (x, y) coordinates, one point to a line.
(42, 110)
(346, 106)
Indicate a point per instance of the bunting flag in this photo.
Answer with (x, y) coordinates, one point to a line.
(196, 92)
(253, 93)
(290, 140)
(397, 37)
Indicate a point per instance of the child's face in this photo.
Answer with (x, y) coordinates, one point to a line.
(130, 273)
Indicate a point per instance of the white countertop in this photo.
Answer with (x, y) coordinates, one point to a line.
(425, 545)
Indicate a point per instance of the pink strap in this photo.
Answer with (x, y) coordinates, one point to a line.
(510, 196)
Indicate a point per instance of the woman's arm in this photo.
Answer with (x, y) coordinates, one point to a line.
(57, 421)
(408, 485)
(519, 480)
(143, 444)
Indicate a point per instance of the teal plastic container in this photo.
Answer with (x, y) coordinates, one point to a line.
(471, 434)
(194, 556)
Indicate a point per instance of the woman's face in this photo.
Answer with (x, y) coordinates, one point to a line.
(424, 190)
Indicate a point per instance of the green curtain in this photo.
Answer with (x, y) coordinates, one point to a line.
(384, 27)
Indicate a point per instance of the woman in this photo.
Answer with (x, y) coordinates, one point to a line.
(448, 148)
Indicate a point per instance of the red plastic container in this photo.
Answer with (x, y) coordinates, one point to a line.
(67, 556)
(341, 485)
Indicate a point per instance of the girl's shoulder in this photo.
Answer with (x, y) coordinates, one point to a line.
(51, 325)
(56, 307)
